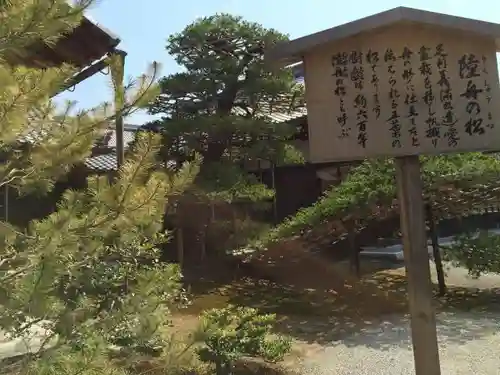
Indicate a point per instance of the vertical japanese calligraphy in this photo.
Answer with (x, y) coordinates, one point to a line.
(372, 58)
(487, 90)
(394, 119)
(357, 75)
(397, 91)
(448, 120)
(469, 70)
(433, 131)
(410, 96)
(340, 62)
(360, 103)
(418, 98)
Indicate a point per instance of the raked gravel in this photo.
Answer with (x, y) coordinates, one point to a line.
(469, 344)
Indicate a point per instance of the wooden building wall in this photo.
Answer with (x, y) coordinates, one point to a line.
(20, 210)
(299, 186)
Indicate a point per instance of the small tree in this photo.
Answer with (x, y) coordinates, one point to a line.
(90, 270)
(221, 107)
(232, 333)
(478, 252)
(454, 185)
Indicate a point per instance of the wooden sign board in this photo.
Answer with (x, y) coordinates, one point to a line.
(402, 83)
(399, 83)
(406, 90)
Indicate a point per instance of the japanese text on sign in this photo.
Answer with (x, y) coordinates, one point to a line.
(412, 90)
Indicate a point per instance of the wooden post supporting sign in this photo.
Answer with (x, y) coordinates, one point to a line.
(423, 321)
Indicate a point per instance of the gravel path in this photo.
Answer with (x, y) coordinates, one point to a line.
(469, 344)
(30, 342)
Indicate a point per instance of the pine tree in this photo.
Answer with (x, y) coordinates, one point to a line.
(90, 270)
(220, 105)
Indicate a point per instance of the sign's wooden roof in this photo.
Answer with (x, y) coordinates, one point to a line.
(293, 51)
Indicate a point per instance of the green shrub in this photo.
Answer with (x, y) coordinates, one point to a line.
(372, 185)
(478, 252)
(232, 333)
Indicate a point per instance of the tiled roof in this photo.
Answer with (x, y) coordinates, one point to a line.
(282, 115)
(128, 136)
(102, 163)
(275, 117)
(107, 161)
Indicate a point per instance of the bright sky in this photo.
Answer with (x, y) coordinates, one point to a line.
(143, 26)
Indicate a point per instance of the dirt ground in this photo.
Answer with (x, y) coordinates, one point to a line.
(317, 300)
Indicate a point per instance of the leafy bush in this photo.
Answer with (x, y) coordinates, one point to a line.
(131, 291)
(232, 333)
(478, 252)
(371, 186)
(89, 271)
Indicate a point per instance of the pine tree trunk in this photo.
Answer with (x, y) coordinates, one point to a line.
(273, 186)
(222, 368)
(354, 254)
(435, 252)
(209, 230)
(203, 244)
(180, 246)
(234, 219)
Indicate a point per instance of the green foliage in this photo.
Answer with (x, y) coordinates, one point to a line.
(24, 22)
(40, 142)
(66, 361)
(371, 186)
(230, 51)
(219, 106)
(231, 333)
(227, 182)
(25, 91)
(93, 263)
(478, 252)
(90, 271)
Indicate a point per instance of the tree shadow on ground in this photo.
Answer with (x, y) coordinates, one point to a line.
(380, 320)
(394, 331)
(325, 306)
(252, 367)
(373, 309)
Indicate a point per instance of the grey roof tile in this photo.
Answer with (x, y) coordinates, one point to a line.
(107, 162)
(275, 116)
(102, 163)
(128, 137)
